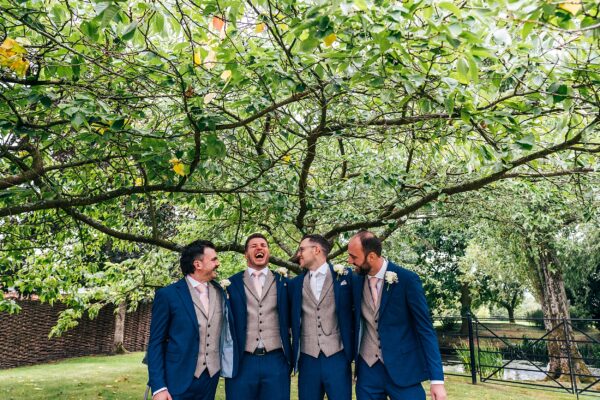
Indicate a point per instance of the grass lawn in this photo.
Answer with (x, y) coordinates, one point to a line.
(124, 377)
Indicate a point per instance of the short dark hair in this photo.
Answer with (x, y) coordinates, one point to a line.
(321, 241)
(254, 236)
(191, 252)
(370, 243)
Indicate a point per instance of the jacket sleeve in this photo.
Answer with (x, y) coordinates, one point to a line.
(156, 344)
(424, 327)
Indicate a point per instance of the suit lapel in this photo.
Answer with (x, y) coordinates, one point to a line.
(213, 297)
(327, 284)
(358, 286)
(386, 290)
(186, 298)
(336, 290)
(269, 279)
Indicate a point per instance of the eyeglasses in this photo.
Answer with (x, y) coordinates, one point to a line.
(301, 249)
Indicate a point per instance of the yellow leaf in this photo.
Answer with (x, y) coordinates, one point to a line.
(20, 66)
(179, 168)
(260, 27)
(226, 74)
(286, 159)
(174, 160)
(12, 45)
(284, 27)
(139, 181)
(330, 39)
(209, 97)
(571, 6)
(197, 58)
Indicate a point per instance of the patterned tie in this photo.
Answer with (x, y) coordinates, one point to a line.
(203, 290)
(257, 283)
(374, 292)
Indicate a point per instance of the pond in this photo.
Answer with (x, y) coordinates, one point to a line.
(516, 370)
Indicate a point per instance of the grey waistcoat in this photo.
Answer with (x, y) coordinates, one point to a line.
(263, 317)
(210, 325)
(370, 346)
(320, 330)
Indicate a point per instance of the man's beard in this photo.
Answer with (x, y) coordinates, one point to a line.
(363, 269)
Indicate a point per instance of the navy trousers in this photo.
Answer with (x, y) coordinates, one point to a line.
(374, 383)
(260, 378)
(202, 388)
(324, 375)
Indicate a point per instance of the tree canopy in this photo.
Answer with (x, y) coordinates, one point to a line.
(139, 125)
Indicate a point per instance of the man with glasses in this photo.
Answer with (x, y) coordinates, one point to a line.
(322, 323)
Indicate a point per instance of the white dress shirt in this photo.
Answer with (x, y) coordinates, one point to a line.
(317, 279)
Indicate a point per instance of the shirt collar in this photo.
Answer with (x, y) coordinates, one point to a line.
(263, 271)
(381, 273)
(321, 270)
(194, 282)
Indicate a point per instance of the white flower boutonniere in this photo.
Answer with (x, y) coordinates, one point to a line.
(340, 270)
(282, 271)
(390, 278)
(225, 284)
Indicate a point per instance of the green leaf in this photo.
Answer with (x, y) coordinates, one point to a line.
(453, 8)
(462, 69)
(129, 31)
(526, 143)
(90, 29)
(558, 91)
(108, 14)
(215, 148)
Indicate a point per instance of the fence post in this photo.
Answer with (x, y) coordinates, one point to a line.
(568, 345)
(472, 349)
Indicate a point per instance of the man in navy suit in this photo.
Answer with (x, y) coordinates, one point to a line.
(397, 346)
(190, 333)
(322, 324)
(259, 302)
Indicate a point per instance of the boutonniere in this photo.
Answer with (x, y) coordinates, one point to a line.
(282, 271)
(390, 278)
(340, 270)
(225, 284)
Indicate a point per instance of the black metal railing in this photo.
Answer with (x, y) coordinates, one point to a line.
(492, 349)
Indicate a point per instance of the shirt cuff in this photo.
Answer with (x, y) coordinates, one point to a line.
(158, 391)
(436, 382)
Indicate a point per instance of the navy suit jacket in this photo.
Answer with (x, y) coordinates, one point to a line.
(409, 343)
(174, 339)
(342, 291)
(237, 297)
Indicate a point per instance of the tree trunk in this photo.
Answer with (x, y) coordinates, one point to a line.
(119, 337)
(557, 319)
(465, 306)
(511, 314)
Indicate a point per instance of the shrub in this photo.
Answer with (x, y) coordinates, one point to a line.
(537, 318)
(489, 356)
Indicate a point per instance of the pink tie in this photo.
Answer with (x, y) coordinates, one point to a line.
(257, 283)
(203, 289)
(374, 292)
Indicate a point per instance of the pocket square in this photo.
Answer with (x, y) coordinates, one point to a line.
(343, 283)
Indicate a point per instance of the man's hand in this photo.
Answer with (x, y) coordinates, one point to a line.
(438, 392)
(164, 395)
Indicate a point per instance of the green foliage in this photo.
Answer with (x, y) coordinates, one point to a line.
(142, 126)
(488, 359)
